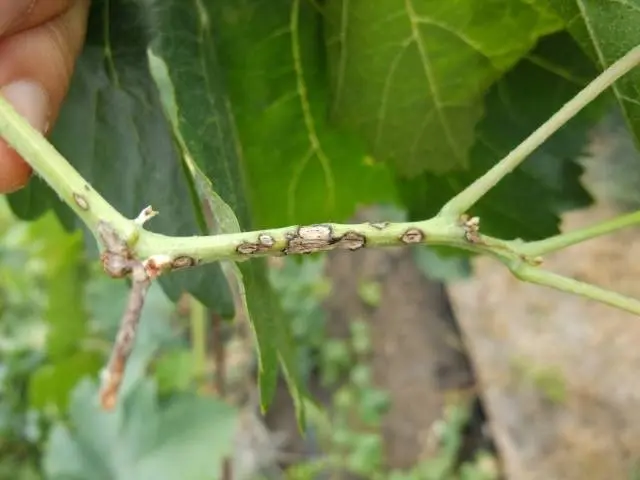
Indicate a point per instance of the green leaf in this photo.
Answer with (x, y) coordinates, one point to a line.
(527, 95)
(606, 30)
(32, 202)
(112, 129)
(273, 332)
(300, 169)
(175, 370)
(51, 384)
(187, 438)
(410, 76)
(209, 149)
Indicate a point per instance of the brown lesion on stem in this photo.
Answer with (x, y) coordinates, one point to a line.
(471, 227)
(321, 238)
(310, 239)
(304, 239)
(411, 236)
(81, 201)
(183, 261)
(379, 225)
(351, 241)
(117, 259)
(264, 244)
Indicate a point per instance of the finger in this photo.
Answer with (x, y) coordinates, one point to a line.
(19, 15)
(12, 11)
(35, 69)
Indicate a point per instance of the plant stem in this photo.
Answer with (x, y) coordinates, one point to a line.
(54, 169)
(549, 279)
(306, 239)
(563, 240)
(474, 192)
(436, 231)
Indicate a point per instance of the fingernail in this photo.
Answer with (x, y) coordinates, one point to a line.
(30, 100)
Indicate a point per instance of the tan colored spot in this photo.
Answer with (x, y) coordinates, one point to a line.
(379, 225)
(247, 248)
(266, 240)
(183, 262)
(413, 235)
(351, 241)
(310, 239)
(156, 264)
(81, 201)
(471, 228)
(115, 265)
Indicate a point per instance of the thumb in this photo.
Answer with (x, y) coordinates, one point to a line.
(36, 64)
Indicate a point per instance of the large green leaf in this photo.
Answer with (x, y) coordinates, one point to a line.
(112, 129)
(219, 180)
(606, 30)
(300, 169)
(525, 204)
(187, 438)
(410, 75)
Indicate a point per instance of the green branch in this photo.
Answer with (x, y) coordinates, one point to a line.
(549, 279)
(563, 240)
(301, 239)
(462, 202)
(54, 169)
(160, 254)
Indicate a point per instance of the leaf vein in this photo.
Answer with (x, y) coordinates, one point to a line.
(342, 62)
(306, 108)
(293, 183)
(204, 27)
(431, 81)
(382, 109)
(469, 42)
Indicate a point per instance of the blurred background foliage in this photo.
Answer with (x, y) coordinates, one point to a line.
(58, 316)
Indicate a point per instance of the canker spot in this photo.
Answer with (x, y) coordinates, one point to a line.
(81, 201)
(413, 235)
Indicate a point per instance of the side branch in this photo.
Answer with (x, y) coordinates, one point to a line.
(546, 278)
(119, 261)
(125, 339)
(474, 192)
(564, 240)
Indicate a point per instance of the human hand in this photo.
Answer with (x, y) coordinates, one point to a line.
(39, 43)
